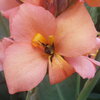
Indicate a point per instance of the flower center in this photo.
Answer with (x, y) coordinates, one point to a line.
(48, 45)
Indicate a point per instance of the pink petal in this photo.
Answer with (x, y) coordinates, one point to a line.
(36, 2)
(8, 4)
(98, 42)
(10, 12)
(24, 67)
(76, 34)
(4, 44)
(93, 3)
(1, 56)
(59, 69)
(1, 66)
(83, 66)
(30, 20)
(94, 61)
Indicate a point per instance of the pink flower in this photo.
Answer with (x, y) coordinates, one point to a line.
(4, 43)
(51, 5)
(43, 42)
(54, 6)
(10, 4)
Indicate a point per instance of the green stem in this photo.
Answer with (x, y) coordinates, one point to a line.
(89, 85)
(59, 92)
(28, 95)
(78, 86)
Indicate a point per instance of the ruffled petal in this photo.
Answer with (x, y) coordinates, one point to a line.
(59, 69)
(29, 20)
(93, 3)
(24, 67)
(83, 66)
(8, 4)
(76, 34)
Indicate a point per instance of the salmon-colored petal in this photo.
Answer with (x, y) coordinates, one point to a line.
(83, 66)
(10, 12)
(36, 2)
(1, 66)
(8, 4)
(93, 3)
(98, 42)
(76, 34)
(4, 44)
(59, 69)
(1, 55)
(24, 67)
(94, 61)
(30, 20)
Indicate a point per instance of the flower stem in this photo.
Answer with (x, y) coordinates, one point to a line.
(59, 92)
(78, 86)
(29, 94)
(89, 85)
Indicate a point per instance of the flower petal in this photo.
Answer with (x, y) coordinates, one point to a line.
(8, 4)
(36, 2)
(1, 67)
(98, 43)
(24, 67)
(10, 12)
(59, 69)
(93, 3)
(29, 20)
(4, 44)
(83, 66)
(75, 31)
(94, 61)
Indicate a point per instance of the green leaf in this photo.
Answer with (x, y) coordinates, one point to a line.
(65, 90)
(93, 12)
(94, 96)
(4, 27)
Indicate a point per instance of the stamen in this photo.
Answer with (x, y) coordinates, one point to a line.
(51, 39)
(38, 39)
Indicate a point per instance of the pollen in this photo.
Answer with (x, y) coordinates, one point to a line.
(51, 39)
(38, 40)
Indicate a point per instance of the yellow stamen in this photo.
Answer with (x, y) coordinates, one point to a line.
(94, 54)
(51, 39)
(38, 39)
